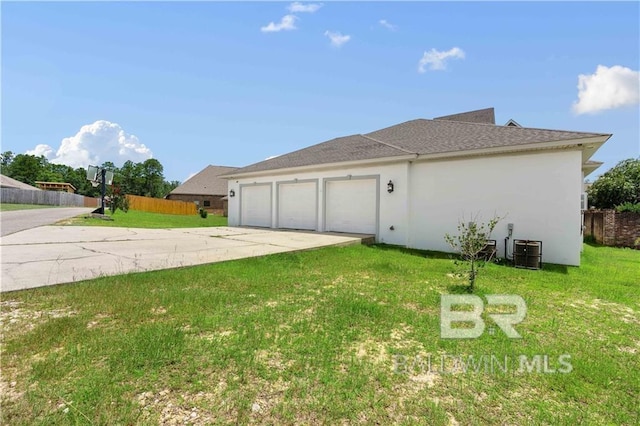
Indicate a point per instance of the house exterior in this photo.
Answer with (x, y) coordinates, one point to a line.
(411, 183)
(205, 188)
(7, 182)
(56, 186)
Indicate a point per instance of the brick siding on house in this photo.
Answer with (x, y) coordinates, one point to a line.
(612, 228)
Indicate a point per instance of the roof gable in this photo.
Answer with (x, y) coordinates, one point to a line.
(512, 123)
(487, 116)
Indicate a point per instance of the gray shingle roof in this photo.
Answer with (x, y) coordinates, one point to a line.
(7, 182)
(420, 137)
(440, 136)
(206, 182)
(487, 116)
(347, 148)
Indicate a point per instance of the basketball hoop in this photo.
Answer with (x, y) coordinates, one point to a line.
(97, 176)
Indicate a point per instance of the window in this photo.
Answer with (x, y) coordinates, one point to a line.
(207, 203)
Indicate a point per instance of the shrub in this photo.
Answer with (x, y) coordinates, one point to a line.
(470, 243)
(118, 201)
(628, 207)
(203, 213)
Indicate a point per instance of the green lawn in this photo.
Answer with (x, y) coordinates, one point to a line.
(332, 336)
(5, 207)
(140, 219)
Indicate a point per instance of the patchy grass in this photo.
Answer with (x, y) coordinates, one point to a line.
(7, 207)
(140, 219)
(338, 335)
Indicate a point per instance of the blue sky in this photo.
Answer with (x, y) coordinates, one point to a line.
(204, 83)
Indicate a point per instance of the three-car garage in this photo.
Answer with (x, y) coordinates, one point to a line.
(344, 204)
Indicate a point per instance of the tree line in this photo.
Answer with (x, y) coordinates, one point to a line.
(145, 178)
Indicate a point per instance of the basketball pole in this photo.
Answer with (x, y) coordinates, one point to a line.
(103, 173)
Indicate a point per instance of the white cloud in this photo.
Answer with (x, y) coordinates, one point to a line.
(287, 23)
(388, 25)
(297, 7)
(607, 88)
(94, 144)
(438, 60)
(337, 39)
(41, 149)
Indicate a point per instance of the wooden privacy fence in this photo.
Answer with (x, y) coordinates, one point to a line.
(47, 198)
(160, 205)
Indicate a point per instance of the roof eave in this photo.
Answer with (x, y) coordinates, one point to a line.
(591, 167)
(588, 145)
(323, 166)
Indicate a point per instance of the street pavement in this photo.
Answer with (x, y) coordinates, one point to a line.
(19, 220)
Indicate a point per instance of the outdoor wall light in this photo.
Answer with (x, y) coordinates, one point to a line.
(390, 187)
(232, 193)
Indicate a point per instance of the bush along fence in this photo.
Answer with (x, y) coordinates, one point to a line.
(160, 205)
(47, 198)
(612, 228)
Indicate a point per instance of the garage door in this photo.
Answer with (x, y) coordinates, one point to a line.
(297, 205)
(255, 202)
(351, 206)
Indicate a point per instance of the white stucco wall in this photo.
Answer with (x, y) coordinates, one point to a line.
(539, 193)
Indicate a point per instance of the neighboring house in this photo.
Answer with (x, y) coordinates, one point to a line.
(411, 183)
(205, 188)
(7, 182)
(56, 186)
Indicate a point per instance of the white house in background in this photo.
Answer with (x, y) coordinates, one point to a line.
(441, 170)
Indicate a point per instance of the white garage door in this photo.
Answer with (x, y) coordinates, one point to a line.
(297, 205)
(351, 206)
(255, 204)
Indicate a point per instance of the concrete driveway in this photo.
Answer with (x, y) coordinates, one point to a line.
(61, 254)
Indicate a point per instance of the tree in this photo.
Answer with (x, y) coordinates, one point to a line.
(144, 178)
(617, 186)
(152, 178)
(470, 242)
(52, 172)
(27, 168)
(129, 177)
(5, 161)
(169, 186)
